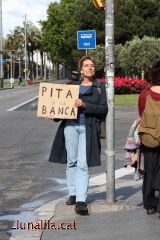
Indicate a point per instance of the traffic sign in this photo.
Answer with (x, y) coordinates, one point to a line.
(86, 39)
(1, 61)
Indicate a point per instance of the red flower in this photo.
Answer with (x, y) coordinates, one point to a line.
(127, 86)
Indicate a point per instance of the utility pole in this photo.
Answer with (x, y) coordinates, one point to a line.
(110, 122)
(25, 48)
(1, 47)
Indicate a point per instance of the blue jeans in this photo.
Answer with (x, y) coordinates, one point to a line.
(77, 168)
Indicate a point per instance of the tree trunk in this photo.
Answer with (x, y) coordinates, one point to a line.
(42, 65)
(57, 70)
(29, 64)
(32, 66)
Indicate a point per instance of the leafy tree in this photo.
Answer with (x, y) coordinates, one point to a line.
(13, 47)
(14, 43)
(132, 57)
(138, 54)
(33, 42)
(99, 56)
(59, 31)
(138, 17)
(88, 17)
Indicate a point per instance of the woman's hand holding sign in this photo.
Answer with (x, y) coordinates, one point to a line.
(79, 103)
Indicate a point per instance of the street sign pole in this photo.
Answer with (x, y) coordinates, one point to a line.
(110, 125)
(1, 47)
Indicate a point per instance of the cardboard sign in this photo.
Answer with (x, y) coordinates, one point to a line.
(57, 101)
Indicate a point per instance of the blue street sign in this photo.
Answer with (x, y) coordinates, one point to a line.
(86, 39)
(1, 61)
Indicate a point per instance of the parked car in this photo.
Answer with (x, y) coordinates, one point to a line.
(75, 75)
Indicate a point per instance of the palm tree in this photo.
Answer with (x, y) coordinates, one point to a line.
(33, 43)
(16, 40)
(14, 47)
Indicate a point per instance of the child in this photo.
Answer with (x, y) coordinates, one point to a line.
(133, 155)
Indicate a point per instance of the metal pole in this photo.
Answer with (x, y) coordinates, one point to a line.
(25, 47)
(110, 126)
(37, 67)
(13, 58)
(1, 47)
(19, 66)
(45, 77)
(11, 66)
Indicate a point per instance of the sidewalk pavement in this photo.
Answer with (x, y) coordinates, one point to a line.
(125, 219)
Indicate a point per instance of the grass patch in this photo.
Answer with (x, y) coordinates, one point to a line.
(126, 100)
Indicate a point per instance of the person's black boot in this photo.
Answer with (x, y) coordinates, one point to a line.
(81, 208)
(151, 211)
(71, 200)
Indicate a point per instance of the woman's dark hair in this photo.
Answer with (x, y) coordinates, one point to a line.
(84, 58)
(153, 73)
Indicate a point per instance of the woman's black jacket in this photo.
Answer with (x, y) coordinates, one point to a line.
(95, 111)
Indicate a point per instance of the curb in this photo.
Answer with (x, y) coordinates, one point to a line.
(57, 209)
(5, 88)
(64, 211)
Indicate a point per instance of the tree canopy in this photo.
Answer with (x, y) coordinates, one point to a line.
(137, 17)
(59, 31)
(138, 54)
(64, 19)
(58, 36)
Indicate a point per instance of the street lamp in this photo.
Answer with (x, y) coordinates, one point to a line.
(1, 47)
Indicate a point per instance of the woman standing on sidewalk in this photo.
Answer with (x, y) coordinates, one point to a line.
(149, 131)
(77, 142)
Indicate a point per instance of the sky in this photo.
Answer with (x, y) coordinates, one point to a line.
(13, 13)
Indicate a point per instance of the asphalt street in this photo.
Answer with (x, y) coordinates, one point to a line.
(24, 146)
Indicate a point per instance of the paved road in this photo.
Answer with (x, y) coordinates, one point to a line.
(25, 175)
(24, 146)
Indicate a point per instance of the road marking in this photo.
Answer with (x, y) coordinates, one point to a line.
(22, 104)
(122, 113)
(101, 179)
